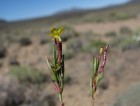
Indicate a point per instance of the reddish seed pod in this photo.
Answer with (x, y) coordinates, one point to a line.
(104, 59)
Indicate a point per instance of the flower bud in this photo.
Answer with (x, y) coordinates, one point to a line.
(101, 50)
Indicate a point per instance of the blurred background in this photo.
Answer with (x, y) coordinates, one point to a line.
(89, 25)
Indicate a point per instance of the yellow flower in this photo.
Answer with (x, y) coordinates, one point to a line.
(101, 50)
(56, 33)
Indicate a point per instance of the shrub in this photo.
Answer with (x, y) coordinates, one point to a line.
(129, 44)
(98, 43)
(25, 41)
(89, 33)
(121, 15)
(111, 34)
(28, 75)
(43, 41)
(93, 45)
(3, 51)
(11, 92)
(13, 61)
(112, 14)
(69, 33)
(72, 46)
(99, 20)
(104, 84)
(137, 32)
(125, 30)
(75, 45)
(67, 80)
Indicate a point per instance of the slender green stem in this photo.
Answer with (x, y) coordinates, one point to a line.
(61, 99)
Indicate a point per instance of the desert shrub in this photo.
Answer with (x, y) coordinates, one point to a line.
(111, 34)
(125, 30)
(97, 44)
(8, 38)
(25, 41)
(129, 44)
(68, 33)
(13, 61)
(116, 42)
(112, 14)
(73, 46)
(93, 45)
(43, 41)
(99, 20)
(137, 32)
(88, 33)
(124, 16)
(28, 75)
(11, 92)
(93, 19)
(127, 41)
(69, 55)
(104, 84)
(129, 98)
(14, 93)
(67, 80)
(3, 51)
(121, 15)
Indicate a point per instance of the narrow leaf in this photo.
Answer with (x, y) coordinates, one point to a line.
(96, 65)
(100, 77)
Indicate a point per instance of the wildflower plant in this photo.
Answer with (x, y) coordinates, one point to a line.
(56, 64)
(57, 69)
(98, 70)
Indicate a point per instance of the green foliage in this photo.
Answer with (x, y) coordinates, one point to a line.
(111, 34)
(127, 41)
(57, 68)
(89, 33)
(98, 70)
(28, 75)
(125, 30)
(93, 45)
(121, 15)
(98, 44)
(95, 66)
(137, 32)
